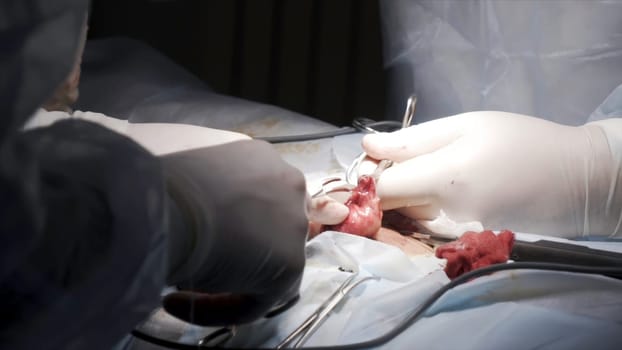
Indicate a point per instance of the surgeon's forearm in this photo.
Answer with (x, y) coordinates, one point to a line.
(166, 138)
(157, 138)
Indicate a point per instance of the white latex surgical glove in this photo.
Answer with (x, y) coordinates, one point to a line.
(505, 171)
(324, 210)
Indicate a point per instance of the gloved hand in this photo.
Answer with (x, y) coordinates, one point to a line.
(505, 171)
(238, 232)
(322, 211)
(166, 138)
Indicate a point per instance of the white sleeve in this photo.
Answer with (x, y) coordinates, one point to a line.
(158, 138)
(612, 128)
(43, 118)
(164, 138)
(119, 126)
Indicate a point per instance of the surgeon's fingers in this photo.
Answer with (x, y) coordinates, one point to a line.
(325, 210)
(419, 182)
(416, 140)
(367, 166)
(213, 309)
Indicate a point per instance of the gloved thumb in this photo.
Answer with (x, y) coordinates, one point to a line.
(213, 309)
(416, 140)
(325, 210)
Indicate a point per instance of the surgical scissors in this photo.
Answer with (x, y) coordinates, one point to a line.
(384, 164)
(313, 322)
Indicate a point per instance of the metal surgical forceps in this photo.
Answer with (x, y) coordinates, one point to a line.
(351, 172)
(313, 322)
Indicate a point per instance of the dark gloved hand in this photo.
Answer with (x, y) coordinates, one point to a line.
(238, 231)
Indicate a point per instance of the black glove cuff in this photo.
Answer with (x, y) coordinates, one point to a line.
(182, 237)
(190, 247)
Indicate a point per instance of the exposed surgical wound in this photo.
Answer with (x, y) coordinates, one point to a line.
(475, 250)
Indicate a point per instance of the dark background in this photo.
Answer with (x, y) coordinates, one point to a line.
(322, 58)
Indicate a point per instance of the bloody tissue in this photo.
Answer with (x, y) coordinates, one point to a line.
(474, 250)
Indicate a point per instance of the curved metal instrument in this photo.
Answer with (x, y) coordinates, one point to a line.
(352, 171)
